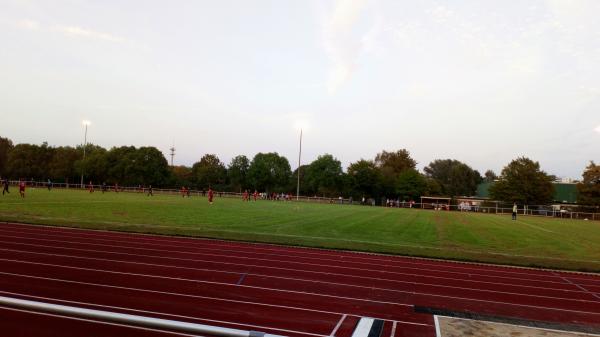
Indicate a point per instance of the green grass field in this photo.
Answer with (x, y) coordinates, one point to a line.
(529, 241)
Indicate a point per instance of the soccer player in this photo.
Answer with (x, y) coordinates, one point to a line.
(22, 188)
(116, 188)
(255, 194)
(514, 211)
(210, 195)
(91, 187)
(150, 191)
(245, 196)
(5, 186)
(183, 191)
(49, 185)
(103, 187)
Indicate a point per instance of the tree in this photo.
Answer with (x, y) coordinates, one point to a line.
(62, 166)
(489, 176)
(269, 172)
(324, 176)
(5, 146)
(237, 172)
(150, 167)
(365, 177)
(209, 171)
(589, 188)
(181, 176)
(411, 185)
(391, 165)
(29, 161)
(454, 177)
(523, 181)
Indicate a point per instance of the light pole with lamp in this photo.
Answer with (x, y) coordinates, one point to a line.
(300, 125)
(85, 123)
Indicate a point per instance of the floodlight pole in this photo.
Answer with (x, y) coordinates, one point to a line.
(84, 146)
(299, 156)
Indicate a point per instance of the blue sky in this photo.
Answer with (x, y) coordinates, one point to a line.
(481, 82)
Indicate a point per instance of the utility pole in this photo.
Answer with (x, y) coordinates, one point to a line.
(172, 153)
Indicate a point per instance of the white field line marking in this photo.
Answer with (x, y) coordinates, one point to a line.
(582, 288)
(96, 322)
(194, 319)
(402, 245)
(530, 327)
(207, 282)
(536, 227)
(292, 278)
(438, 333)
(269, 260)
(393, 333)
(194, 296)
(371, 257)
(363, 327)
(337, 326)
(290, 291)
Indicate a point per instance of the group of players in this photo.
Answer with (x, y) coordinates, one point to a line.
(6, 185)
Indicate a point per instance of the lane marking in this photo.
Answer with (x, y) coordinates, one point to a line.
(192, 296)
(95, 322)
(438, 333)
(160, 313)
(208, 282)
(337, 326)
(393, 333)
(242, 277)
(261, 259)
(363, 328)
(229, 244)
(294, 279)
(582, 288)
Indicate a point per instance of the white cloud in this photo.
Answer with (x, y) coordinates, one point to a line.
(89, 34)
(28, 24)
(597, 129)
(341, 46)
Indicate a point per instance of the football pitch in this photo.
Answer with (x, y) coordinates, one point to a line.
(529, 241)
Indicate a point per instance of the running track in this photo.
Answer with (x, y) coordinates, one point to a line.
(288, 291)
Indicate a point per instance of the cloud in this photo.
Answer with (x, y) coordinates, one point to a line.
(341, 46)
(28, 24)
(597, 129)
(75, 31)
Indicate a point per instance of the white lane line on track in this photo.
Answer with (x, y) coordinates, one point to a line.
(207, 282)
(96, 322)
(195, 296)
(281, 290)
(277, 268)
(305, 309)
(393, 329)
(299, 279)
(337, 326)
(366, 270)
(582, 288)
(451, 264)
(438, 333)
(162, 314)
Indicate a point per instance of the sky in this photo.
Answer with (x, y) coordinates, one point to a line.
(483, 82)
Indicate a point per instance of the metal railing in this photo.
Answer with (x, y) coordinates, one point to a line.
(127, 319)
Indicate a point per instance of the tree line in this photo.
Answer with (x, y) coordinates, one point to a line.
(390, 174)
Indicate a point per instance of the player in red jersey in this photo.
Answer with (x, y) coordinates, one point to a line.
(22, 188)
(210, 195)
(255, 194)
(183, 191)
(91, 187)
(245, 196)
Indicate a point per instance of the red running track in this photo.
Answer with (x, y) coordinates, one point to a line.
(289, 291)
